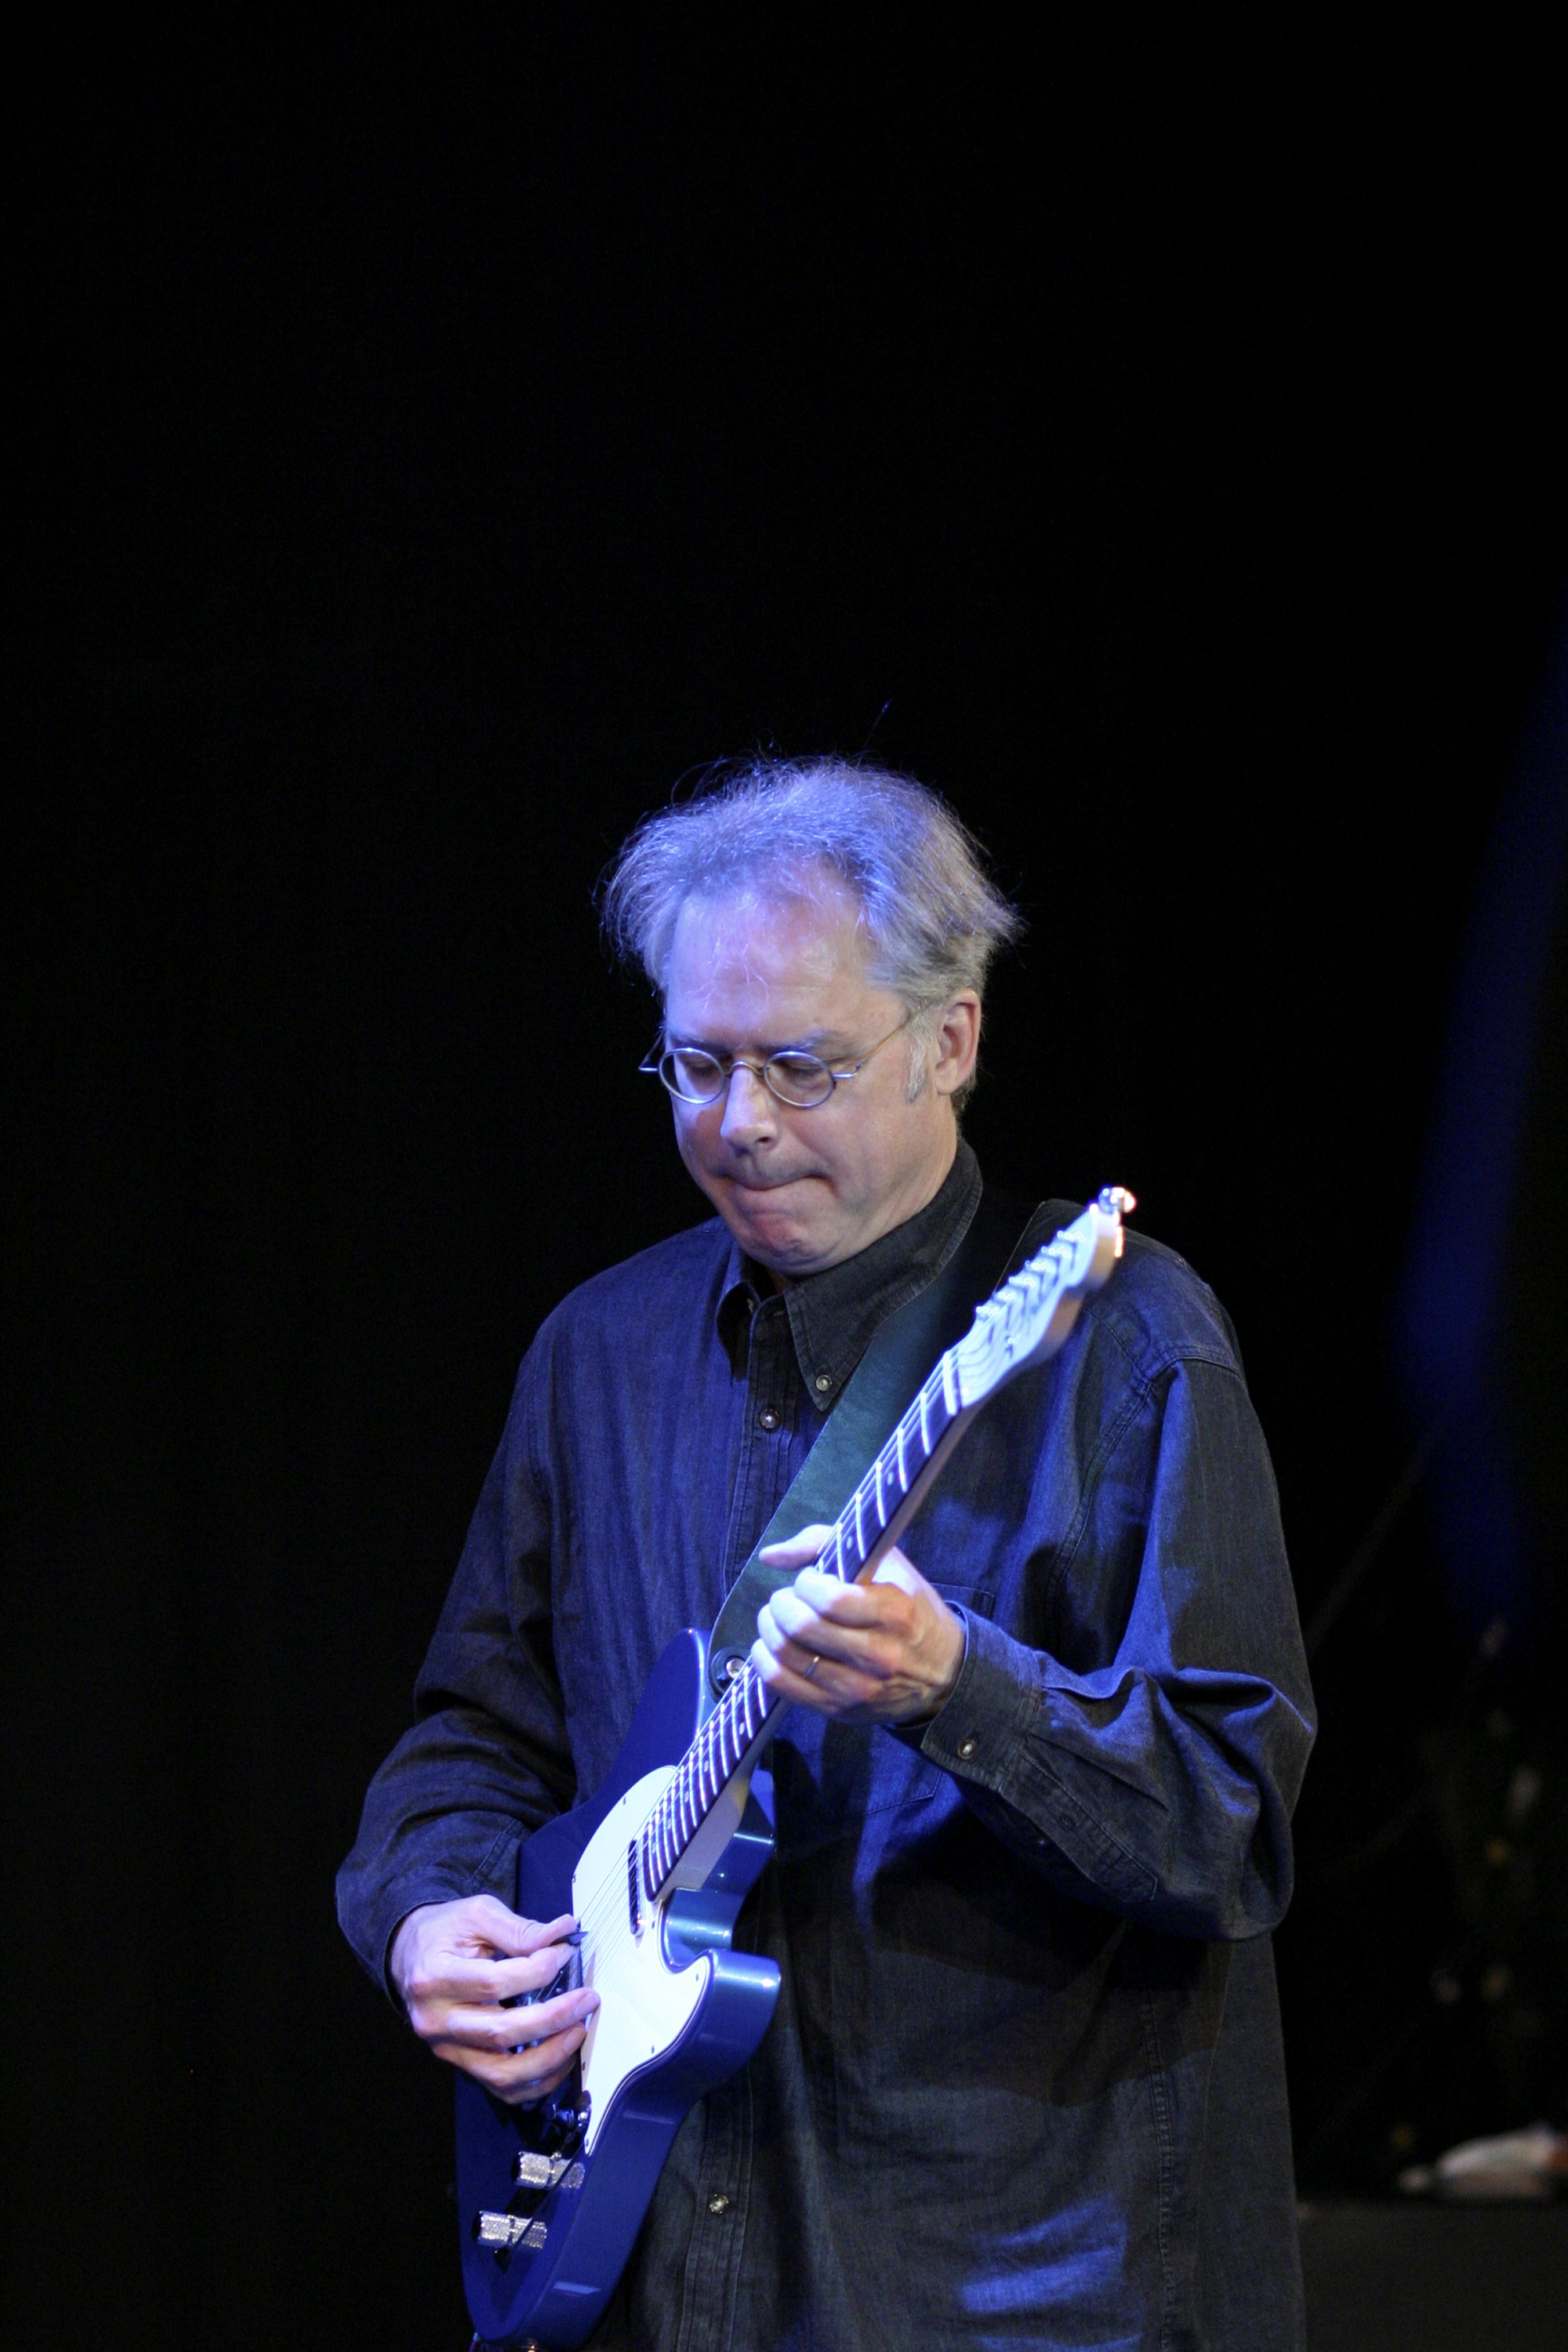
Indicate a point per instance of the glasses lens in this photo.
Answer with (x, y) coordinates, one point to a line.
(694, 1077)
(799, 1078)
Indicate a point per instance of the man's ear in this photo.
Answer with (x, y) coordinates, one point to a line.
(957, 1043)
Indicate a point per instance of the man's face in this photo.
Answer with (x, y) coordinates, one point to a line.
(802, 1189)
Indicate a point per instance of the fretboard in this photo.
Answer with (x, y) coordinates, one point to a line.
(740, 1722)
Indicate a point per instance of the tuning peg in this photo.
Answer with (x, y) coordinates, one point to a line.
(1116, 1201)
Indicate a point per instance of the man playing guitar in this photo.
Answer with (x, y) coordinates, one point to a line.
(1023, 2084)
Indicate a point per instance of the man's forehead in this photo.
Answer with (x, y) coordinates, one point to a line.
(768, 937)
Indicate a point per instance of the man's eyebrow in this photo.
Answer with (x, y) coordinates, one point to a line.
(828, 1045)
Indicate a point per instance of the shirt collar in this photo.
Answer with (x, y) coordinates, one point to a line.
(834, 1316)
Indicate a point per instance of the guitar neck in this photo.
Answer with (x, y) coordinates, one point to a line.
(875, 1515)
(1024, 1322)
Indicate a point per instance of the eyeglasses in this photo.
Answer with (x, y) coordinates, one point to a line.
(803, 1080)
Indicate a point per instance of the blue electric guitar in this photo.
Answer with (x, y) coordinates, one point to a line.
(657, 1864)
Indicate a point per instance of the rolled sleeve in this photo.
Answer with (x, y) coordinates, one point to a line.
(1160, 1783)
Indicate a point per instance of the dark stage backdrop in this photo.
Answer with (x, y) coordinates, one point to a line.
(436, 447)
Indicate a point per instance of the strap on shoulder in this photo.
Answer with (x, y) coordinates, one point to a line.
(888, 1376)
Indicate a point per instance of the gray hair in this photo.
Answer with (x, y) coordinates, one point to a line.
(931, 917)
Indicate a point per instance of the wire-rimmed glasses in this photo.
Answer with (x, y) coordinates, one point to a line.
(803, 1080)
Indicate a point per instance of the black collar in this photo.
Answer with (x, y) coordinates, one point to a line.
(833, 1316)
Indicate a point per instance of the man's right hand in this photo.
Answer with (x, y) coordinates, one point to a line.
(455, 1963)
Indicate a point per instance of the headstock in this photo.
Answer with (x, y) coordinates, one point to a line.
(1029, 1317)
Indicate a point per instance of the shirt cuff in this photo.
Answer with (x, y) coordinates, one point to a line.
(398, 1909)
(978, 1730)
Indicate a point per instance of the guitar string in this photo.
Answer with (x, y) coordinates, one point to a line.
(732, 1716)
(888, 1476)
(606, 1920)
(606, 1924)
(889, 1471)
(726, 1725)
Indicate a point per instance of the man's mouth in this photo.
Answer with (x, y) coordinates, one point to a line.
(756, 1187)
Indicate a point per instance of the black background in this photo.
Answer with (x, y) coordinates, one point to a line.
(437, 444)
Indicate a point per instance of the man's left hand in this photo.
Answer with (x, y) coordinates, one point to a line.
(886, 1651)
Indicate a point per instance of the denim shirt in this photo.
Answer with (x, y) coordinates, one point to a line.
(1024, 2084)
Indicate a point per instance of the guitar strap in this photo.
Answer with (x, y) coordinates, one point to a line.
(886, 1377)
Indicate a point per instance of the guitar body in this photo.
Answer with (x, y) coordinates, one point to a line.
(563, 2188)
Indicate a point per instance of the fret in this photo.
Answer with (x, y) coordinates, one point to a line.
(1012, 1321)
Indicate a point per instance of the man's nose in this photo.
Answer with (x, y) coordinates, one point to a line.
(750, 1114)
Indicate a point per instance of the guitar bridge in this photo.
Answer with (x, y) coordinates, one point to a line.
(632, 1883)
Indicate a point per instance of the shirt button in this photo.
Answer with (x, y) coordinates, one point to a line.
(966, 1747)
(767, 1419)
(823, 1383)
(720, 2204)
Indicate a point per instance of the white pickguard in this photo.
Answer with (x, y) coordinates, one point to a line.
(644, 2004)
